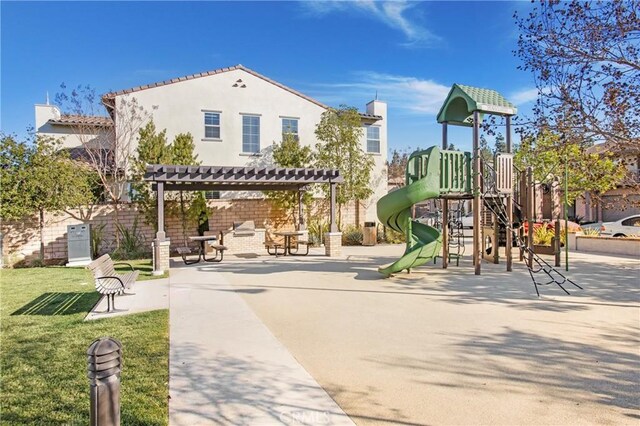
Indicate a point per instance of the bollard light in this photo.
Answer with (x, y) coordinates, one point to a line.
(104, 359)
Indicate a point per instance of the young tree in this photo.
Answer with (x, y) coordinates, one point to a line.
(339, 132)
(152, 149)
(107, 140)
(397, 167)
(500, 144)
(39, 177)
(486, 154)
(290, 153)
(585, 59)
(548, 154)
(182, 153)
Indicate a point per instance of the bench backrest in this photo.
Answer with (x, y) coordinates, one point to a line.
(102, 266)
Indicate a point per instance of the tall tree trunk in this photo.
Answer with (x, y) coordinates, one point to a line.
(41, 226)
(116, 222)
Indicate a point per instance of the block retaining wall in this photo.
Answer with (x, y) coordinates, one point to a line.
(21, 239)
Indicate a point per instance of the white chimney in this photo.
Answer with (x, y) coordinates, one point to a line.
(44, 113)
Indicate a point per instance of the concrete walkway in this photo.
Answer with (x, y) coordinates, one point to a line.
(146, 296)
(225, 365)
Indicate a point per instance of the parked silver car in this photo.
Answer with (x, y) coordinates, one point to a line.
(622, 228)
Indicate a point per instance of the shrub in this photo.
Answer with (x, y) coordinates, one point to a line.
(317, 229)
(390, 236)
(132, 243)
(97, 235)
(592, 232)
(352, 236)
(543, 235)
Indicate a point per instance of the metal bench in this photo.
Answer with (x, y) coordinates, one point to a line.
(108, 281)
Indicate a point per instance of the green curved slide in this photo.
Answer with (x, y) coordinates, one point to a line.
(394, 210)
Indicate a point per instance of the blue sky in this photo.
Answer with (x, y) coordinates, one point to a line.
(410, 53)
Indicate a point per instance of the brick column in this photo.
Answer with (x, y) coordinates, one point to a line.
(333, 244)
(160, 251)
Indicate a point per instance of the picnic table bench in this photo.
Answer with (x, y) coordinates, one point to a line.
(108, 282)
(219, 249)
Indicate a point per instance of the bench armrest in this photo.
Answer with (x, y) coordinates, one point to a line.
(123, 263)
(114, 278)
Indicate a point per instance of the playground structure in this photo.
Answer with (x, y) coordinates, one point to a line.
(455, 175)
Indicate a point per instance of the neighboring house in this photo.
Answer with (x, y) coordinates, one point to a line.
(617, 203)
(234, 115)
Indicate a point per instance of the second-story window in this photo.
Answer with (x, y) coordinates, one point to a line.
(251, 134)
(212, 125)
(290, 127)
(373, 139)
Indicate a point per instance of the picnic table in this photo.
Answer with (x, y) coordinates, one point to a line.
(202, 253)
(287, 242)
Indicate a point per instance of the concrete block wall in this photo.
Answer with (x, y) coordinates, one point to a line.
(21, 239)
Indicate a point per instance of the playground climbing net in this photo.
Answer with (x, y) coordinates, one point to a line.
(537, 266)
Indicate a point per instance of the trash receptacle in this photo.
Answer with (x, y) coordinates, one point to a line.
(79, 244)
(369, 234)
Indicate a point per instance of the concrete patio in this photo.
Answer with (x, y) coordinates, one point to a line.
(448, 347)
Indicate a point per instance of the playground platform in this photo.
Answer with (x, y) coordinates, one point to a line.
(449, 347)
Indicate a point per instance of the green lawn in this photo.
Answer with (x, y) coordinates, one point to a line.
(43, 350)
(143, 265)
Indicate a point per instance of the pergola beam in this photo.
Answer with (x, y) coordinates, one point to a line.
(229, 187)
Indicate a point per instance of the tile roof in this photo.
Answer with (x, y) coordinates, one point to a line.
(112, 95)
(86, 120)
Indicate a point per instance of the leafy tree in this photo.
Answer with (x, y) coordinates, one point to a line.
(585, 59)
(152, 149)
(290, 153)
(548, 154)
(340, 132)
(39, 177)
(182, 153)
(486, 154)
(397, 167)
(198, 211)
(109, 146)
(500, 144)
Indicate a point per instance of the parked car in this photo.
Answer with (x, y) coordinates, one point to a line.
(430, 218)
(622, 228)
(467, 220)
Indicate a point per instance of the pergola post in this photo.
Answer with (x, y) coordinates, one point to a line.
(333, 238)
(333, 226)
(161, 243)
(476, 193)
(160, 234)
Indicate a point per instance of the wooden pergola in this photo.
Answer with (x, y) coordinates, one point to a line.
(221, 178)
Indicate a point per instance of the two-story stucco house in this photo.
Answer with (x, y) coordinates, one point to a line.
(234, 115)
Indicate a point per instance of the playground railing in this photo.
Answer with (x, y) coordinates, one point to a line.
(455, 172)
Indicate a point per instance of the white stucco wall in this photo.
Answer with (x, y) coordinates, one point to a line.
(179, 108)
(69, 136)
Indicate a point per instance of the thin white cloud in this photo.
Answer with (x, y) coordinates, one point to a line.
(391, 13)
(402, 93)
(524, 96)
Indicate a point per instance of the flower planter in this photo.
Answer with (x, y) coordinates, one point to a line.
(608, 245)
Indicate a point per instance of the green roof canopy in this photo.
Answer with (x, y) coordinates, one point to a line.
(462, 101)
